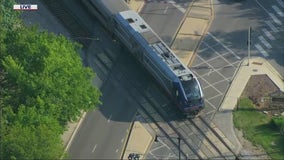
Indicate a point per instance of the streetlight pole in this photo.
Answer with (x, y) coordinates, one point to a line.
(249, 43)
(178, 148)
(178, 138)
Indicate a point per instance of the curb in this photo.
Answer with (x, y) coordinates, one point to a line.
(69, 141)
(129, 131)
(210, 20)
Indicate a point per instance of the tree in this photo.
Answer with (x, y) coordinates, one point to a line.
(48, 73)
(43, 85)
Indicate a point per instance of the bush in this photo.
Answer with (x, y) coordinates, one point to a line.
(279, 123)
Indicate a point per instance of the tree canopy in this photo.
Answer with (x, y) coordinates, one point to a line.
(43, 85)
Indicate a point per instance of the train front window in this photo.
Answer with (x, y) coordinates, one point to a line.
(192, 90)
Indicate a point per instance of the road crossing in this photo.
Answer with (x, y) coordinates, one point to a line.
(264, 42)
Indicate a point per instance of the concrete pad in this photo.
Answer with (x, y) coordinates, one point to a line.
(257, 66)
(186, 42)
(135, 5)
(139, 141)
(200, 12)
(184, 56)
(193, 26)
(204, 3)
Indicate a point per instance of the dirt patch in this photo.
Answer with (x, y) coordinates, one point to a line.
(258, 89)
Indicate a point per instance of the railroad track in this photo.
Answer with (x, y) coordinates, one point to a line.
(199, 140)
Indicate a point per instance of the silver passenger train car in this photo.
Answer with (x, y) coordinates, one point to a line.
(176, 79)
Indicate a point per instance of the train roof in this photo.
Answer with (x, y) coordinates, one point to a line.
(153, 40)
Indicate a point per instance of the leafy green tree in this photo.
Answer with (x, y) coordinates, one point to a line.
(48, 73)
(32, 136)
(43, 85)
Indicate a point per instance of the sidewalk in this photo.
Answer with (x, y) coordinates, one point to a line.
(192, 29)
(139, 141)
(224, 118)
(257, 66)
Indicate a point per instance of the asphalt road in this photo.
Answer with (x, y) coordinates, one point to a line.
(164, 17)
(225, 45)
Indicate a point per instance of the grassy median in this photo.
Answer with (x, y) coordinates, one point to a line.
(258, 129)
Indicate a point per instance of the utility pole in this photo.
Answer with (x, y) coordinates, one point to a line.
(178, 148)
(249, 43)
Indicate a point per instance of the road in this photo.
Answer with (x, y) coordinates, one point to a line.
(225, 44)
(164, 17)
(103, 132)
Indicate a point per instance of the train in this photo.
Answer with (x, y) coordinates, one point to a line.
(147, 47)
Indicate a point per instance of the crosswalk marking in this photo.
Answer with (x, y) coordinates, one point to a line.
(278, 11)
(275, 19)
(281, 3)
(273, 28)
(264, 41)
(261, 50)
(268, 34)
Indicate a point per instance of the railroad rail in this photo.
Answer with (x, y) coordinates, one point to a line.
(154, 106)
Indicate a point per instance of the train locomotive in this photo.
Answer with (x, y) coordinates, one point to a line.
(147, 47)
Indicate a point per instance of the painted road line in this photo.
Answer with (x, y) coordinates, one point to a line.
(264, 41)
(261, 50)
(224, 46)
(272, 27)
(218, 54)
(177, 6)
(268, 34)
(95, 147)
(278, 11)
(281, 3)
(166, 9)
(275, 19)
(109, 118)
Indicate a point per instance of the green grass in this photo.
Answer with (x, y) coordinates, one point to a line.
(258, 129)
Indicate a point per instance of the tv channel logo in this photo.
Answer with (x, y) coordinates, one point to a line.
(25, 7)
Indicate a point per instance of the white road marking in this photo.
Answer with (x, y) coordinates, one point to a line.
(94, 148)
(268, 34)
(264, 41)
(211, 70)
(210, 104)
(109, 118)
(272, 27)
(218, 54)
(261, 50)
(281, 3)
(209, 83)
(122, 140)
(165, 11)
(217, 95)
(202, 50)
(275, 19)
(278, 11)
(177, 6)
(229, 78)
(215, 68)
(116, 150)
(212, 67)
(224, 45)
(161, 146)
(262, 7)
